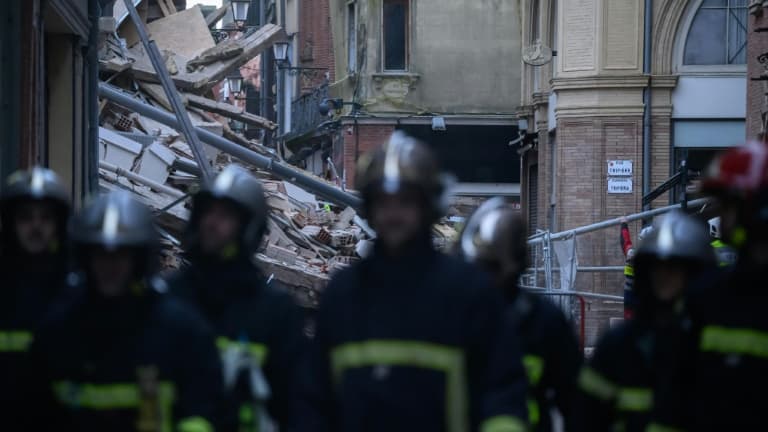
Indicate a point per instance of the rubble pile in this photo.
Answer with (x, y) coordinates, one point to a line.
(308, 239)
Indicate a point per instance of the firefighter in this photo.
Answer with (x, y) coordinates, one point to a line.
(34, 209)
(726, 255)
(628, 248)
(258, 326)
(494, 238)
(617, 386)
(409, 338)
(723, 357)
(120, 354)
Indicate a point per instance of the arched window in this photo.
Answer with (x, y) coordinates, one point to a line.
(717, 34)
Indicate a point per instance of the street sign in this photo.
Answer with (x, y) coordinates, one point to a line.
(619, 167)
(619, 185)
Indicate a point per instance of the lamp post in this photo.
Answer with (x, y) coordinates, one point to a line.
(235, 82)
(240, 11)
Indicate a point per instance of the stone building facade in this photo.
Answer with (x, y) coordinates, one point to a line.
(587, 108)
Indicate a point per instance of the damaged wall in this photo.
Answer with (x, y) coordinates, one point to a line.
(464, 57)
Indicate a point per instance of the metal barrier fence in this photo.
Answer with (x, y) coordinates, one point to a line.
(555, 264)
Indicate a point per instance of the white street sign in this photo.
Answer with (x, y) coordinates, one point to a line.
(620, 185)
(619, 167)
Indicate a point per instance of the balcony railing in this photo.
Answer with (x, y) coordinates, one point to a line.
(305, 115)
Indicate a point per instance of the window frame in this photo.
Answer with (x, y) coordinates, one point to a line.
(407, 48)
(679, 50)
(351, 41)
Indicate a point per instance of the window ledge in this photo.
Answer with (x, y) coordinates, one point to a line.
(410, 78)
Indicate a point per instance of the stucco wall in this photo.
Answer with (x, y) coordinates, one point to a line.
(464, 57)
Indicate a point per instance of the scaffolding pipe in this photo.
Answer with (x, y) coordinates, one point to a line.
(586, 269)
(276, 167)
(613, 222)
(130, 175)
(185, 124)
(540, 290)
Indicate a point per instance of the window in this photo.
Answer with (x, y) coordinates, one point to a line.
(535, 32)
(395, 21)
(351, 38)
(718, 34)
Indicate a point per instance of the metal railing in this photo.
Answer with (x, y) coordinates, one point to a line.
(305, 114)
(555, 263)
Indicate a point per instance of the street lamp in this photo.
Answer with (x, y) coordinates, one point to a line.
(240, 11)
(235, 82)
(280, 49)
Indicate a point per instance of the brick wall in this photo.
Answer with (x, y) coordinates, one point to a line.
(315, 42)
(357, 140)
(757, 44)
(583, 148)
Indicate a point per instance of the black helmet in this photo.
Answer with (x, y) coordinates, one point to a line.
(238, 186)
(677, 237)
(115, 220)
(494, 237)
(35, 184)
(401, 163)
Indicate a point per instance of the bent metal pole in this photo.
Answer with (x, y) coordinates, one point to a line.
(278, 168)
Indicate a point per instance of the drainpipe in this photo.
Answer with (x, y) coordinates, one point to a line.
(647, 27)
(92, 154)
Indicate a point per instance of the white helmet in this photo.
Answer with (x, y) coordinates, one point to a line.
(714, 227)
(645, 232)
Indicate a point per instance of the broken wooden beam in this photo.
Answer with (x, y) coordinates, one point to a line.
(204, 78)
(229, 111)
(212, 18)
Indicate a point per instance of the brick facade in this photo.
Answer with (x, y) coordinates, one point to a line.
(757, 45)
(583, 147)
(357, 140)
(315, 44)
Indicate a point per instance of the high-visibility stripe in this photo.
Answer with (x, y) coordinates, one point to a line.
(106, 396)
(534, 413)
(629, 271)
(656, 427)
(594, 384)
(115, 396)
(195, 424)
(734, 341)
(503, 424)
(15, 341)
(257, 350)
(636, 399)
(534, 368)
(416, 354)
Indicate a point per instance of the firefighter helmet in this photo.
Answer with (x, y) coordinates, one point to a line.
(494, 237)
(35, 184)
(113, 221)
(403, 162)
(238, 186)
(740, 172)
(677, 237)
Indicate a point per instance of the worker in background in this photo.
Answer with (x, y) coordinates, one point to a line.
(617, 386)
(629, 271)
(120, 354)
(34, 209)
(726, 255)
(495, 238)
(720, 377)
(408, 339)
(258, 327)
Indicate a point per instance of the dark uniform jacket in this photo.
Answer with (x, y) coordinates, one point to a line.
(144, 362)
(411, 344)
(552, 358)
(254, 318)
(29, 287)
(720, 377)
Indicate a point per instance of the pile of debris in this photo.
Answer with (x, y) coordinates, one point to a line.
(308, 239)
